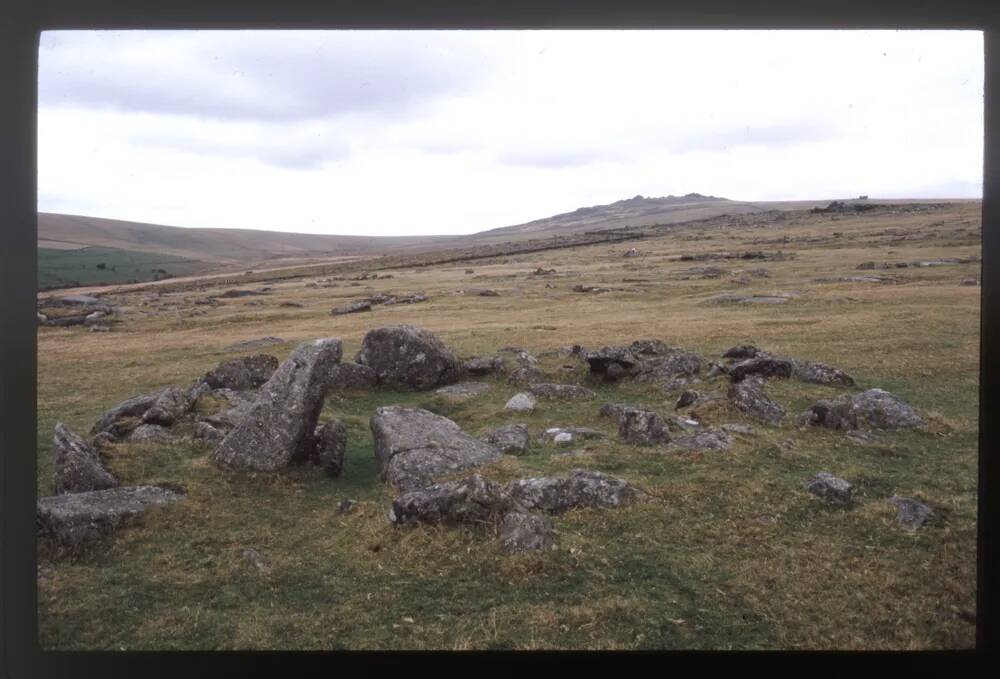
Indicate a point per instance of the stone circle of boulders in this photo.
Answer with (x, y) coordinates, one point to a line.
(77, 466)
(405, 356)
(512, 439)
(280, 425)
(413, 447)
(833, 489)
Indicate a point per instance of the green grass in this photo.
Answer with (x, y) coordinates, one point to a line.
(68, 268)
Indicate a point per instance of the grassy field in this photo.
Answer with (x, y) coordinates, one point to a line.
(732, 553)
(59, 268)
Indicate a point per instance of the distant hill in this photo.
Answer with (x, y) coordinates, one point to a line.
(71, 246)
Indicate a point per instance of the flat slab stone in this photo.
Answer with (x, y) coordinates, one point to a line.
(581, 488)
(74, 519)
(463, 389)
(560, 391)
(475, 499)
(413, 447)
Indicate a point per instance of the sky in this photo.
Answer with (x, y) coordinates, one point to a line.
(450, 132)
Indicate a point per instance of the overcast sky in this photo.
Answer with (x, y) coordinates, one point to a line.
(433, 132)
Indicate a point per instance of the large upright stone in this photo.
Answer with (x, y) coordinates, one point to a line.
(408, 357)
(280, 424)
(413, 447)
(76, 466)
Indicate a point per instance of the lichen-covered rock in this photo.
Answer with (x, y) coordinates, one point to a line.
(349, 375)
(820, 373)
(462, 390)
(522, 402)
(676, 367)
(238, 404)
(742, 351)
(76, 466)
(524, 532)
(134, 407)
(831, 488)
(474, 499)
(484, 365)
(280, 425)
(600, 360)
(404, 356)
(650, 347)
(571, 434)
(352, 308)
(248, 372)
(761, 366)
(331, 446)
(525, 374)
(75, 519)
(881, 409)
(615, 410)
(874, 407)
(413, 447)
(151, 433)
(511, 439)
(560, 391)
(748, 397)
(706, 439)
(911, 515)
(171, 405)
(581, 488)
(642, 427)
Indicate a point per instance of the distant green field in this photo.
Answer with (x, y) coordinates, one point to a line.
(97, 266)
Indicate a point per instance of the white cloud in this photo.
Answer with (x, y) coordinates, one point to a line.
(464, 131)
